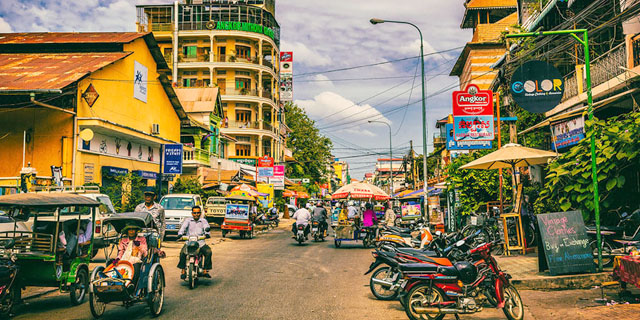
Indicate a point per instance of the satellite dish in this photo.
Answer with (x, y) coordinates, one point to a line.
(86, 134)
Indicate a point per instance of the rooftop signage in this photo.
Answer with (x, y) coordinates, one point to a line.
(245, 26)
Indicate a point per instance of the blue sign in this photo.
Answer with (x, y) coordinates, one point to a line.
(172, 160)
(473, 128)
(114, 171)
(464, 145)
(147, 174)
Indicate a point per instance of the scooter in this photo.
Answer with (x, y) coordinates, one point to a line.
(317, 231)
(300, 233)
(273, 218)
(404, 238)
(195, 260)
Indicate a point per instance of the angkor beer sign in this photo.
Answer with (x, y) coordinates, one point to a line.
(537, 86)
(473, 114)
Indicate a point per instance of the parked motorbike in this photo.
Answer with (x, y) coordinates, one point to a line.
(273, 218)
(433, 291)
(9, 291)
(404, 237)
(618, 240)
(195, 260)
(317, 231)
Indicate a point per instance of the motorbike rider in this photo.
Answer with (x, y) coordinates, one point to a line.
(154, 209)
(302, 216)
(320, 215)
(196, 226)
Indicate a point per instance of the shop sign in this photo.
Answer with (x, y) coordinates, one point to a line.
(265, 161)
(146, 174)
(90, 95)
(247, 161)
(537, 86)
(114, 171)
(140, 81)
(237, 212)
(245, 26)
(120, 147)
(567, 133)
(473, 114)
(172, 161)
(88, 172)
(411, 211)
(452, 144)
(286, 76)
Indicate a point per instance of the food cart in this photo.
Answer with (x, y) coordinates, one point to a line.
(238, 215)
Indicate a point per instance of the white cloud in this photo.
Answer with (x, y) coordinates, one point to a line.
(304, 55)
(4, 26)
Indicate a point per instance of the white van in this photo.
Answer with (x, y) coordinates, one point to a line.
(177, 207)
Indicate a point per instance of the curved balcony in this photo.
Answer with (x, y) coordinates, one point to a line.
(249, 128)
(248, 96)
(227, 62)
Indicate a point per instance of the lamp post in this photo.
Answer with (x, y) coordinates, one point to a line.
(375, 21)
(390, 156)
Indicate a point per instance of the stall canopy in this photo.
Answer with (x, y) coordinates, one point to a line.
(289, 193)
(360, 190)
(420, 193)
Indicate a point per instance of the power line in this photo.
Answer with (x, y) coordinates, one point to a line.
(353, 79)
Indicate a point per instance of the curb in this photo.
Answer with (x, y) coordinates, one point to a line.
(567, 282)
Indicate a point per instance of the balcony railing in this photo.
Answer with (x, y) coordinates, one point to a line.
(242, 125)
(603, 68)
(439, 138)
(266, 94)
(161, 27)
(267, 126)
(238, 92)
(196, 155)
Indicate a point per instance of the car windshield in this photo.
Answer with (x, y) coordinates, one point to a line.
(175, 203)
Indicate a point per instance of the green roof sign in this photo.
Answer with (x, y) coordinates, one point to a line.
(245, 26)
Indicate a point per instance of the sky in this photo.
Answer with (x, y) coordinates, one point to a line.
(324, 36)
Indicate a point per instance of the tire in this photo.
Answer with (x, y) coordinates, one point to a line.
(97, 307)
(415, 297)
(365, 242)
(530, 236)
(513, 307)
(224, 233)
(316, 237)
(337, 243)
(9, 301)
(607, 258)
(192, 278)
(79, 288)
(250, 233)
(155, 299)
(377, 290)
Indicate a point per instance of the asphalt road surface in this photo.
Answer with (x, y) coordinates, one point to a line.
(272, 277)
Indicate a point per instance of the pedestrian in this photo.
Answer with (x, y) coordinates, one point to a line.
(390, 215)
(154, 209)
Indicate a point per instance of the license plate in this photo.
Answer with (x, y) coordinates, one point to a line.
(315, 229)
(172, 227)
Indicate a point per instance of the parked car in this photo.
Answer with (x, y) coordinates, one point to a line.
(177, 207)
(215, 209)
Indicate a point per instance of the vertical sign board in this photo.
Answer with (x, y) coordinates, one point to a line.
(140, 81)
(286, 76)
(473, 114)
(278, 177)
(265, 169)
(565, 243)
(172, 160)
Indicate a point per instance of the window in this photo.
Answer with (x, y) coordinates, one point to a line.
(243, 150)
(221, 72)
(243, 52)
(174, 203)
(243, 84)
(243, 73)
(189, 73)
(243, 116)
(206, 82)
(189, 51)
(188, 82)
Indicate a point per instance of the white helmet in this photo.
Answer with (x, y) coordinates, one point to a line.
(351, 203)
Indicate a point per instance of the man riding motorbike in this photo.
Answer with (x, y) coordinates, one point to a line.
(320, 215)
(195, 226)
(302, 216)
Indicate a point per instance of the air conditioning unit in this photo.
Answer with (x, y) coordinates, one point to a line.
(155, 128)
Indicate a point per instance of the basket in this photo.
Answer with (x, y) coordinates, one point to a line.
(343, 232)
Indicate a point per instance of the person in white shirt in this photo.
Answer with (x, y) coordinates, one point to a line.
(302, 216)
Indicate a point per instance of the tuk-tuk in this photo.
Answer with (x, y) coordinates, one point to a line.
(117, 282)
(50, 244)
(238, 216)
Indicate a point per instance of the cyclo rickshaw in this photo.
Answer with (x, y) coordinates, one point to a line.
(50, 242)
(118, 282)
(352, 230)
(238, 215)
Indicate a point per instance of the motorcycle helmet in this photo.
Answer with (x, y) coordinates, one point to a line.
(467, 272)
(351, 203)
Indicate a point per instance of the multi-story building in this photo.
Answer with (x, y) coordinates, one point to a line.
(394, 169)
(488, 19)
(233, 46)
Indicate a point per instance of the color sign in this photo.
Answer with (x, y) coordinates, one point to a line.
(265, 161)
(537, 86)
(452, 144)
(278, 177)
(567, 133)
(172, 160)
(473, 114)
(237, 212)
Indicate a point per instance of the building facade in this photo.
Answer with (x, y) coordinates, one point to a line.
(103, 108)
(232, 46)
(394, 169)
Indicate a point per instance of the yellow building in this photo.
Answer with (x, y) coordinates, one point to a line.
(53, 86)
(233, 46)
(488, 19)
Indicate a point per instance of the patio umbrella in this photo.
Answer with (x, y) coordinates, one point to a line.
(302, 195)
(360, 190)
(289, 193)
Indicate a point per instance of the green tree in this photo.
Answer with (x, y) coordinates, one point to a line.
(311, 150)
(127, 193)
(191, 185)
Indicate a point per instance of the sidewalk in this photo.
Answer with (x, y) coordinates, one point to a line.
(525, 275)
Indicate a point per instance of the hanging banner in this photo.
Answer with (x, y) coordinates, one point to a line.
(473, 114)
(286, 76)
(537, 86)
(567, 133)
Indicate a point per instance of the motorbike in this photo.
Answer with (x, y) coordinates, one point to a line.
(300, 233)
(433, 291)
(317, 231)
(9, 292)
(616, 240)
(273, 218)
(195, 260)
(403, 237)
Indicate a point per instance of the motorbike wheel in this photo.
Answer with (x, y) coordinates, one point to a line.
(530, 236)
(337, 243)
(192, 276)
(10, 299)
(513, 307)
(607, 257)
(79, 288)
(97, 307)
(224, 233)
(300, 239)
(156, 296)
(316, 237)
(380, 292)
(420, 296)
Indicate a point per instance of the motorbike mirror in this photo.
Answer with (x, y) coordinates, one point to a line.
(438, 233)
(207, 229)
(460, 243)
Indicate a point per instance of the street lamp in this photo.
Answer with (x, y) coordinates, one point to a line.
(390, 156)
(375, 21)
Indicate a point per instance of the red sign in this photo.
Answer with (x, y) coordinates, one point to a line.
(473, 102)
(265, 161)
(286, 56)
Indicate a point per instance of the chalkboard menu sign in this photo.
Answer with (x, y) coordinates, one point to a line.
(565, 243)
